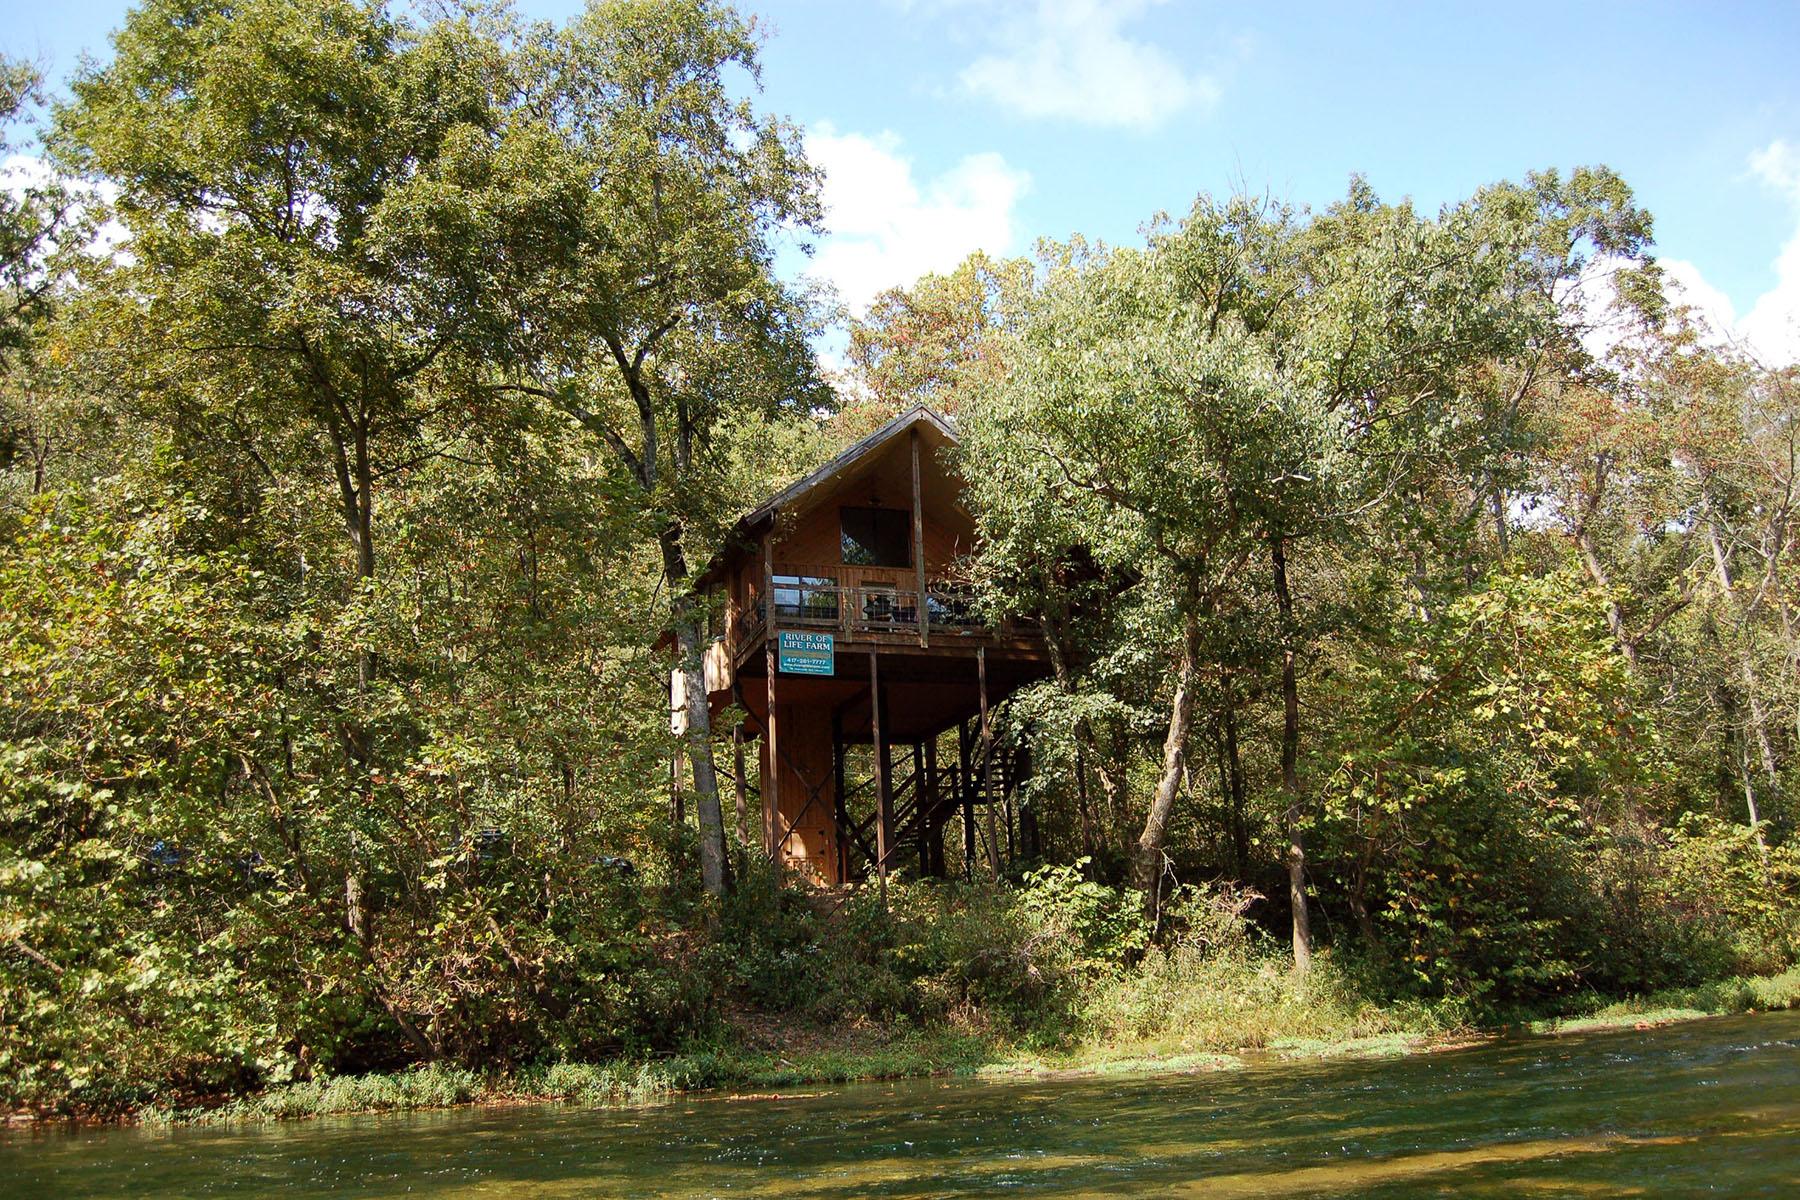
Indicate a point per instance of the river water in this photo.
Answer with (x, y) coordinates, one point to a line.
(1701, 1108)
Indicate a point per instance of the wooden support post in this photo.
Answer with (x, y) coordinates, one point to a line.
(921, 809)
(768, 557)
(918, 515)
(965, 786)
(840, 813)
(934, 839)
(1010, 814)
(987, 765)
(771, 784)
(883, 796)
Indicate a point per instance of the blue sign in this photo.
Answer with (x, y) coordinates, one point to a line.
(803, 653)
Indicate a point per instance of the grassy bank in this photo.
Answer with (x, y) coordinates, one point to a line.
(1265, 1015)
(1738, 995)
(620, 1082)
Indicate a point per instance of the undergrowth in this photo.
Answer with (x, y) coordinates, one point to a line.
(1056, 974)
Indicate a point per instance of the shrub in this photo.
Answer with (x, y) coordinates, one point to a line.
(1706, 901)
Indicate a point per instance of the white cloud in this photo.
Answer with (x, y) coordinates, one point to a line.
(1778, 165)
(1593, 297)
(1771, 329)
(1687, 285)
(885, 227)
(1074, 59)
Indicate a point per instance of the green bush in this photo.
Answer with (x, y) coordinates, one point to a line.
(1706, 900)
(939, 949)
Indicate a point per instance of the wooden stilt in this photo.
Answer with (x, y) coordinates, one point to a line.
(930, 817)
(1010, 816)
(840, 812)
(965, 786)
(771, 784)
(921, 810)
(987, 765)
(883, 796)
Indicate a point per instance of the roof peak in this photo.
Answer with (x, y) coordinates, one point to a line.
(843, 461)
(849, 456)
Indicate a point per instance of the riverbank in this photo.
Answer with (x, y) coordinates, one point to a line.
(770, 1059)
(1720, 998)
(1517, 1114)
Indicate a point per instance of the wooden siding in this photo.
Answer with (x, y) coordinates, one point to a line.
(806, 824)
(816, 539)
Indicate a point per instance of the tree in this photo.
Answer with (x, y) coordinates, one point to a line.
(939, 341)
(658, 319)
(1127, 426)
(1412, 345)
(306, 194)
(1479, 760)
(43, 230)
(1255, 380)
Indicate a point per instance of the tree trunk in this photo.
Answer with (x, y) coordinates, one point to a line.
(1234, 780)
(987, 768)
(1147, 862)
(742, 797)
(1086, 739)
(1082, 809)
(1615, 618)
(688, 632)
(1290, 761)
(1359, 905)
(1758, 724)
(348, 427)
(690, 613)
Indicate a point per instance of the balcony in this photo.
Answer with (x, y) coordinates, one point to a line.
(869, 604)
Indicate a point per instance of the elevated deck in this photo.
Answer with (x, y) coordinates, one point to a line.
(872, 606)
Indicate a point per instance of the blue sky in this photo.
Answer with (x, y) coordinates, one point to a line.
(948, 125)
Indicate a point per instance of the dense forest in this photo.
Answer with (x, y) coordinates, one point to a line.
(373, 386)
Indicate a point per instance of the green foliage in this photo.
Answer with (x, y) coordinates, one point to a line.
(1485, 743)
(1703, 900)
(340, 515)
(1101, 927)
(941, 950)
(1490, 804)
(179, 823)
(940, 341)
(329, 714)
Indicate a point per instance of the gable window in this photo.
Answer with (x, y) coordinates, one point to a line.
(876, 537)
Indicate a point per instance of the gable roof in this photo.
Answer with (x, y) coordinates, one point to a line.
(750, 526)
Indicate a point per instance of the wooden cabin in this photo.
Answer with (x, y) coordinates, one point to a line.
(849, 641)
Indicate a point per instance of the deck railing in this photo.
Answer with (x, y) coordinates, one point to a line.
(863, 601)
(874, 609)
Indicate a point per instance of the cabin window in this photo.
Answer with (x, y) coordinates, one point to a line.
(806, 597)
(877, 537)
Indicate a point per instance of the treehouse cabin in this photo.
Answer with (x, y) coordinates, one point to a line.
(848, 639)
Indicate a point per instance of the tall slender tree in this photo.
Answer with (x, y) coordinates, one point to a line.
(660, 318)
